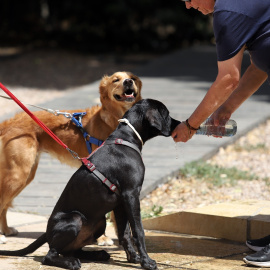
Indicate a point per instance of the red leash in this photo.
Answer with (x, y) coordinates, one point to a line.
(40, 123)
(90, 166)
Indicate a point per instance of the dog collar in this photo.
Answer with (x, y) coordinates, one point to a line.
(124, 120)
(122, 142)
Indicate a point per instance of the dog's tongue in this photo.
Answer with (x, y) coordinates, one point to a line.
(126, 97)
(129, 96)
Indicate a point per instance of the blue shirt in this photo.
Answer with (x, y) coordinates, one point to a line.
(239, 23)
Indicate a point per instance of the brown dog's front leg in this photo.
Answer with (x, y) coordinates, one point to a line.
(133, 211)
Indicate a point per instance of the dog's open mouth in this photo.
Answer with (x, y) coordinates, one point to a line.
(129, 96)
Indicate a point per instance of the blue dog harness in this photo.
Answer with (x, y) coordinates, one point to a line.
(77, 120)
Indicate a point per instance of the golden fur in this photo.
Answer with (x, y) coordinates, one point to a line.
(22, 141)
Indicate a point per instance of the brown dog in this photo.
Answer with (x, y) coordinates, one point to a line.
(22, 141)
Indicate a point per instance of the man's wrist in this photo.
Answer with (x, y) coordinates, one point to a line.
(190, 126)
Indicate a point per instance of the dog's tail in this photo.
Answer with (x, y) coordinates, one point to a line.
(30, 249)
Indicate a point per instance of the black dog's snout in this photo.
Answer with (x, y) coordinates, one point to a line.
(174, 124)
(128, 82)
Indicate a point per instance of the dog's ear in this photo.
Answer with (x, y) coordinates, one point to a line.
(160, 119)
(139, 83)
(103, 84)
(154, 118)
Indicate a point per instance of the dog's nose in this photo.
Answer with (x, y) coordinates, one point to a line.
(128, 82)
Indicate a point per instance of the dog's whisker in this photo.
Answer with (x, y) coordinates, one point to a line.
(116, 86)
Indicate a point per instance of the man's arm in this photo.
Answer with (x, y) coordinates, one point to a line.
(227, 81)
(251, 81)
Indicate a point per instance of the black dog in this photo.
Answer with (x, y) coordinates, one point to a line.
(78, 218)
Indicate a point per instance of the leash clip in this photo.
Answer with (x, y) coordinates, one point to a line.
(66, 114)
(74, 154)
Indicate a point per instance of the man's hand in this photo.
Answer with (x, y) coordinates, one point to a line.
(182, 133)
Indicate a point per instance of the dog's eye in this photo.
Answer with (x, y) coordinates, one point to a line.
(116, 80)
(134, 79)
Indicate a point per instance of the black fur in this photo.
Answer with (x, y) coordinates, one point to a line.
(78, 218)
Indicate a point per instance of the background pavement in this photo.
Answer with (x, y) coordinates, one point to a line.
(172, 251)
(180, 80)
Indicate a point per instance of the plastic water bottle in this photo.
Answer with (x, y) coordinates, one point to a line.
(226, 129)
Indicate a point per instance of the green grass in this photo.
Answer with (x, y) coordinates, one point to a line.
(217, 175)
(155, 211)
(250, 147)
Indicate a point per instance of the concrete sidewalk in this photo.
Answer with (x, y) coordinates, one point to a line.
(170, 250)
(196, 239)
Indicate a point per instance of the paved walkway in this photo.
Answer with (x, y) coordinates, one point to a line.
(172, 251)
(179, 80)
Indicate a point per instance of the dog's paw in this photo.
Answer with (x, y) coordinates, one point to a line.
(73, 264)
(10, 231)
(3, 239)
(149, 264)
(104, 241)
(63, 262)
(133, 258)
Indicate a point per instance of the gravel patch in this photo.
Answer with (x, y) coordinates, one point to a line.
(251, 153)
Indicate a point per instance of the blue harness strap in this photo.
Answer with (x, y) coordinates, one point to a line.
(88, 139)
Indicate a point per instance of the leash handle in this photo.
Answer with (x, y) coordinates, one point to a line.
(40, 123)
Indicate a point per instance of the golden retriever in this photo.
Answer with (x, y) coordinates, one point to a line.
(22, 141)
